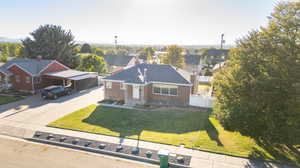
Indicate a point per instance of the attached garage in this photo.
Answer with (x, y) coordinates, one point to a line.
(78, 80)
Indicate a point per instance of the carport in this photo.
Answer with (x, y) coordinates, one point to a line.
(78, 80)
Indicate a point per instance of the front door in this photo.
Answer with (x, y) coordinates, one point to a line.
(135, 92)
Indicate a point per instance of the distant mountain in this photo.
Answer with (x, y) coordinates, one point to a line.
(12, 40)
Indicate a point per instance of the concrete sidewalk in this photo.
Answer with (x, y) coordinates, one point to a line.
(200, 159)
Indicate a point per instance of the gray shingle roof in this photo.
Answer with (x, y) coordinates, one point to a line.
(118, 60)
(192, 59)
(215, 52)
(154, 73)
(32, 66)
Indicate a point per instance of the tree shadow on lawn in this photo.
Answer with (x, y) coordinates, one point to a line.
(287, 154)
(133, 122)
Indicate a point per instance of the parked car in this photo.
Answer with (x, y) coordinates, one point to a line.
(55, 91)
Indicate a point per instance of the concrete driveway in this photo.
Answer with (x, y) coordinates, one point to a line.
(37, 112)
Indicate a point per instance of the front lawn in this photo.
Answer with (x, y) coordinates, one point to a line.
(9, 99)
(193, 129)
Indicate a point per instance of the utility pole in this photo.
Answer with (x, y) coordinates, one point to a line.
(116, 42)
(222, 40)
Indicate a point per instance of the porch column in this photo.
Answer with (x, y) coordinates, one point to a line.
(125, 94)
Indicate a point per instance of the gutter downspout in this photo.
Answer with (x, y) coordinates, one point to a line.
(33, 89)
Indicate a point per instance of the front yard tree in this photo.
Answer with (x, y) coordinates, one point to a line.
(93, 63)
(86, 48)
(258, 90)
(51, 42)
(174, 56)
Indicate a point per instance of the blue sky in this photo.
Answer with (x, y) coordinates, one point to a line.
(198, 22)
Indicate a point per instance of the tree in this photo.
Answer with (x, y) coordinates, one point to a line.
(98, 51)
(93, 63)
(51, 42)
(4, 52)
(86, 48)
(174, 56)
(258, 90)
(147, 54)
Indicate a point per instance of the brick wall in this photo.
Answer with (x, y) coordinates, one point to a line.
(182, 98)
(22, 84)
(114, 93)
(2, 77)
(54, 67)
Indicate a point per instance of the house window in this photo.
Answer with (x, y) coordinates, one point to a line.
(27, 79)
(156, 90)
(0, 78)
(167, 90)
(122, 86)
(173, 91)
(108, 85)
(17, 77)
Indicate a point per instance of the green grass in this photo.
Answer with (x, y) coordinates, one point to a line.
(194, 129)
(9, 99)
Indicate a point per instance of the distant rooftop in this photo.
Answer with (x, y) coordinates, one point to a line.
(118, 60)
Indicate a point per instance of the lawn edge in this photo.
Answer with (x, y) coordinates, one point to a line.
(202, 150)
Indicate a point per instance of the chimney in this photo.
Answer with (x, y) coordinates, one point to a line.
(145, 75)
(195, 82)
(39, 58)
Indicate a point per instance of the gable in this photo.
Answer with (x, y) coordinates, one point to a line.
(18, 70)
(54, 67)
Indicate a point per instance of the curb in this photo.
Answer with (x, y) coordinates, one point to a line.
(110, 153)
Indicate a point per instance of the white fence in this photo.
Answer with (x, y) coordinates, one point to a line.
(201, 101)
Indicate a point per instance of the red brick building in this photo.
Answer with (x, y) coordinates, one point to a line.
(150, 84)
(31, 75)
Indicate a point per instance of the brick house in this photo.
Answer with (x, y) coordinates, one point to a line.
(150, 84)
(30, 75)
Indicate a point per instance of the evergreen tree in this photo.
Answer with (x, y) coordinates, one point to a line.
(86, 48)
(51, 42)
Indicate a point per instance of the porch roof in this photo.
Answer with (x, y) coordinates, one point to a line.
(72, 74)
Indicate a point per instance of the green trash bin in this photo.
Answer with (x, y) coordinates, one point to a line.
(164, 158)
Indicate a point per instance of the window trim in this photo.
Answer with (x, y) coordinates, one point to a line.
(18, 78)
(108, 85)
(27, 79)
(165, 86)
(122, 86)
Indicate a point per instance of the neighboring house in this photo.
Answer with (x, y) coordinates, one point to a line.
(193, 63)
(218, 66)
(209, 58)
(151, 84)
(31, 75)
(116, 63)
(212, 57)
